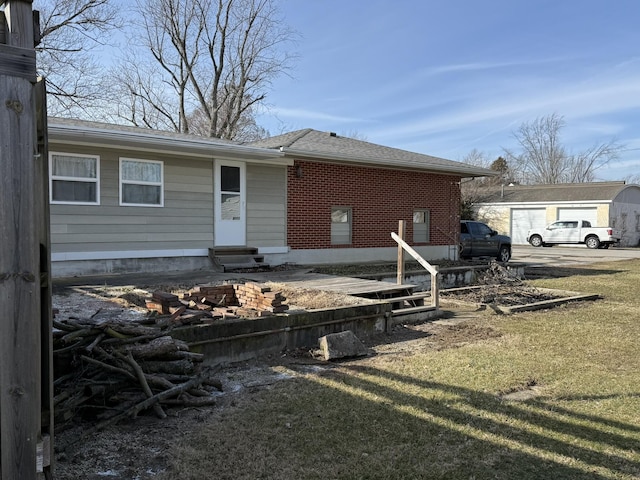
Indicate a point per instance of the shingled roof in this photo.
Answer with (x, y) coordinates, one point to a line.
(82, 132)
(561, 192)
(327, 146)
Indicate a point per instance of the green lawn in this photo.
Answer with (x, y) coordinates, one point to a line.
(441, 413)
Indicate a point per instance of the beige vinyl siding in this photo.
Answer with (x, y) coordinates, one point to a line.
(185, 221)
(266, 205)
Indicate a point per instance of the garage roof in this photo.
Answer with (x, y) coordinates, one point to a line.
(561, 192)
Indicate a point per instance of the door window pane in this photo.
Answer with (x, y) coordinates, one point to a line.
(229, 178)
(230, 206)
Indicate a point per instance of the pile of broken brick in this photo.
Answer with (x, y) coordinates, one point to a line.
(208, 303)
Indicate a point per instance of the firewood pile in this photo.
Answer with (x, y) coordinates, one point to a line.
(110, 369)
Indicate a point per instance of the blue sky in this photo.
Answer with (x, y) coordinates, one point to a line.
(445, 77)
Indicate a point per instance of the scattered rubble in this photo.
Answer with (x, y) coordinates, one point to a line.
(109, 368)
(341, 345)
(207, 303)
(498, 286)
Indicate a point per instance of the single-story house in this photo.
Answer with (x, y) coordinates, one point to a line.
(345, 197)
(127, 199)
(515, 209)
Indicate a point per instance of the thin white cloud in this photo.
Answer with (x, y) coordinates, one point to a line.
(304, 114)
(572, 102)
(480, 66)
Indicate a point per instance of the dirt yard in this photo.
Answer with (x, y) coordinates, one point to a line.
(138, 449)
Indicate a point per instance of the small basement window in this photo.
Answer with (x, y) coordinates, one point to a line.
(74, 178)
(341, 226)
(141, 183)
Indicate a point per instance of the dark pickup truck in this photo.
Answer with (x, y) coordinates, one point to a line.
(479, 240)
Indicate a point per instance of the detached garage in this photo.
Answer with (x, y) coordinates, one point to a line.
(516, 209)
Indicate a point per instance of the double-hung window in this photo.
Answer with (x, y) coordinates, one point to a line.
(340, 226)
(74, 178)
(421, 226)
(141, 183)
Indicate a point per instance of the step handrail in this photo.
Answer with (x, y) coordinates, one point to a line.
(433, 270)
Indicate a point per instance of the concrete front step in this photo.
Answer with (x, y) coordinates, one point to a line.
(234, 258)
(237, 266)
(228, 259)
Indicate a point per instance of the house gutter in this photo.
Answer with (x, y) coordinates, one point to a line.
(353, 159)
(142, 141)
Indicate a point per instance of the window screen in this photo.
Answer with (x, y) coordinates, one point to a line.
(74, 178)
(141, 182)
(421, 226)
(340, 226)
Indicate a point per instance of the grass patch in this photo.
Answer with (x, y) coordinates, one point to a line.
(444, 413)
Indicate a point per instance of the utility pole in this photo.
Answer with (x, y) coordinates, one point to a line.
(25, 314)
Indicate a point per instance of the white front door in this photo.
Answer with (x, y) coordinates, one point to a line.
(230, 224)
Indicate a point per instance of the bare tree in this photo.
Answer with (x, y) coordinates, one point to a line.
(476, 190)
(211, 63)
(543, 158)
(71, 31)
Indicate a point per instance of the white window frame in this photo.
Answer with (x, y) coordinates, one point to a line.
(427, 223)
(140, 182)
(53, 178)
(349, 224)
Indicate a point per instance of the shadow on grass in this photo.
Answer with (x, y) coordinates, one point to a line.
(532, 273)
(533, 439)
(363, 422)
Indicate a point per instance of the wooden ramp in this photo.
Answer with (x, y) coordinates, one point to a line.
(404, 300)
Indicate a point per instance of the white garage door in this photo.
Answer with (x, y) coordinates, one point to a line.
(590, 214)
(523, 219)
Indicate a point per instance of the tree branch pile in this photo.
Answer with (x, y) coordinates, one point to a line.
(500, 286)
(107, 370)
(110, 370)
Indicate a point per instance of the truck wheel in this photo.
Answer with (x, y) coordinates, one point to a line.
(536, 241)
(504, 254)
(592, 242)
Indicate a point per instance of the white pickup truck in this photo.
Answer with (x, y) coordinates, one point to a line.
(573, 231)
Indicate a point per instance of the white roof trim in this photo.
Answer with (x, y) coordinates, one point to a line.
(142, 141)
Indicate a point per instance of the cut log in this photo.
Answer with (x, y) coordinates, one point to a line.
(157, 347)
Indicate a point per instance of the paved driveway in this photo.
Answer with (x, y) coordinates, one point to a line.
(569, 255)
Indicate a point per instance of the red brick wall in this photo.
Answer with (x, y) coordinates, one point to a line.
(378, 198)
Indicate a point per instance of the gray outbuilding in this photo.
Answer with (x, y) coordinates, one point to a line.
(515, 209)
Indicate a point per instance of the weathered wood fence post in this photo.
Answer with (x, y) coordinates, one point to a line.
(25, 323)
(401, 265)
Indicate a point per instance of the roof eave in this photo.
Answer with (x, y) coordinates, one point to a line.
(142, 141)
(464, 172)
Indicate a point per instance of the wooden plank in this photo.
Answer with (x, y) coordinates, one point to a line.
(400, 273)
(46, 308)
(20, 308)
(18, 62)
(349, 285)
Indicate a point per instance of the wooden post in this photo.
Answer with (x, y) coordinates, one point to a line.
(21, 441)
(400, 274)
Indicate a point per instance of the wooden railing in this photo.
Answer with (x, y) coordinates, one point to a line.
(405, 247)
